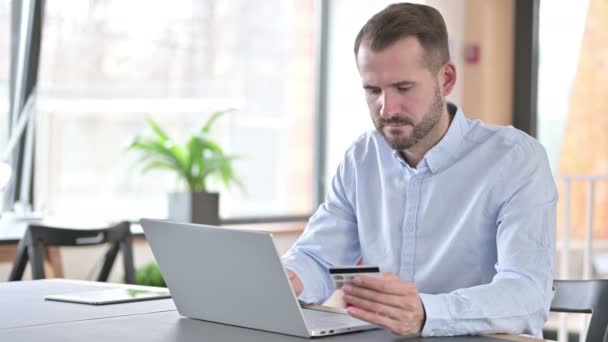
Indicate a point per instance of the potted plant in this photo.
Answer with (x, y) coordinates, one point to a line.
(194, 162)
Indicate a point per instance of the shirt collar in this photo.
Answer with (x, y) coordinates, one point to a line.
(439, 155)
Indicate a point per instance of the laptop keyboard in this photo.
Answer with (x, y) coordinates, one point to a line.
(327, 320)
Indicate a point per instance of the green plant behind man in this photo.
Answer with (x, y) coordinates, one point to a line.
(194, 161)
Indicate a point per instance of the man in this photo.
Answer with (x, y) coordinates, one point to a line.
(460, 215)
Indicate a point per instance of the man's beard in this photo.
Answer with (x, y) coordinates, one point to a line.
(429, 121)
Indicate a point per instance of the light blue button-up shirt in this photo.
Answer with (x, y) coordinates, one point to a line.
(473, 226)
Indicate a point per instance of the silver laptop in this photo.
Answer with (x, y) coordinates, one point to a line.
(235, 277)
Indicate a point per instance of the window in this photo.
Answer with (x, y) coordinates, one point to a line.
(5, 29)
(557, 69)
(571, 111)
(105, 64)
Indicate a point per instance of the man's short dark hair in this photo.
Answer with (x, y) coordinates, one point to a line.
(398, 21)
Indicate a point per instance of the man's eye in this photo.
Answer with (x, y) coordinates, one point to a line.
(372, 91)
(403, 89)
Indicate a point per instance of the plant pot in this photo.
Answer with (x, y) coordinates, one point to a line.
(195, 207)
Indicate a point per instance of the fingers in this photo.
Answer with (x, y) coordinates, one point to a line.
(388, 284)
(372, 306)
(386, 301)
(404, 324)
(369, 316)
(372, 295)
(378, 319)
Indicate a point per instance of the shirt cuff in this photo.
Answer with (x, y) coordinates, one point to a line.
(314, 290)
(438, 321)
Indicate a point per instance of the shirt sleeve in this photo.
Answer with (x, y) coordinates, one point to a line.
(517, 300)
(330, 238)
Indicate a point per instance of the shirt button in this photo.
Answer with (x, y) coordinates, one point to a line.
(409, 228)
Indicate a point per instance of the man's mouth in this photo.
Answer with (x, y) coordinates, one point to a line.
(396, 124)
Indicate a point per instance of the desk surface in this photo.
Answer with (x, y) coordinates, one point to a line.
(26, 316)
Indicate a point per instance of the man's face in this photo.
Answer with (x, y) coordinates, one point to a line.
(402, 94)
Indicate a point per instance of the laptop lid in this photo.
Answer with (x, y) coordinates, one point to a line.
(225, 275)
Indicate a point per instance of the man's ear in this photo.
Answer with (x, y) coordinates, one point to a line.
(447, 78)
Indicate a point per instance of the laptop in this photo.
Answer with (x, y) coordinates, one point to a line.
(235, 277)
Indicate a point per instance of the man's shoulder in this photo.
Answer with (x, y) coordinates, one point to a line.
(501, 137)
(507, 149)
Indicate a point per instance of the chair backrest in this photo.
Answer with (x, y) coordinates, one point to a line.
(38, 236)
(584, 296)
(58, 236)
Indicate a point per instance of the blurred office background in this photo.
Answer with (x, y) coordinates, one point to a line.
(287, 67)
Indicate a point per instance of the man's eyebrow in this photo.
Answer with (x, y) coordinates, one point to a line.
(396, 85)
(369, 86)
(403, 84)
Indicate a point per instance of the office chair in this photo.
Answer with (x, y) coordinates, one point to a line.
(584, 296)
(38, 236)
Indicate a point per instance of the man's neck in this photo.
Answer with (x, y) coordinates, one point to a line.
(414, 155)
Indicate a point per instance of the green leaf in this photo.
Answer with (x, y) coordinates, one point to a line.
(149, 275)
(216, 115)
(156, 128)
(195, 151)
(226, 171)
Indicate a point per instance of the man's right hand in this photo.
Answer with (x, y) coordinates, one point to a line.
(295, 281)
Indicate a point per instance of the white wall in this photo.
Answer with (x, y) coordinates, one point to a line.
(453, 12)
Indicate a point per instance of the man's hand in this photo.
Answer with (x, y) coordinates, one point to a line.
(386, 301)
(295, 281)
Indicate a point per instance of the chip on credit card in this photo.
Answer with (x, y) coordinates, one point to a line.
(342, 275)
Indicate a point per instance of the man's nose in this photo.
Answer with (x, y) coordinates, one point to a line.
(388, 105)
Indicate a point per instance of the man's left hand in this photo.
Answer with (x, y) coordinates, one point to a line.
(387, 301)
